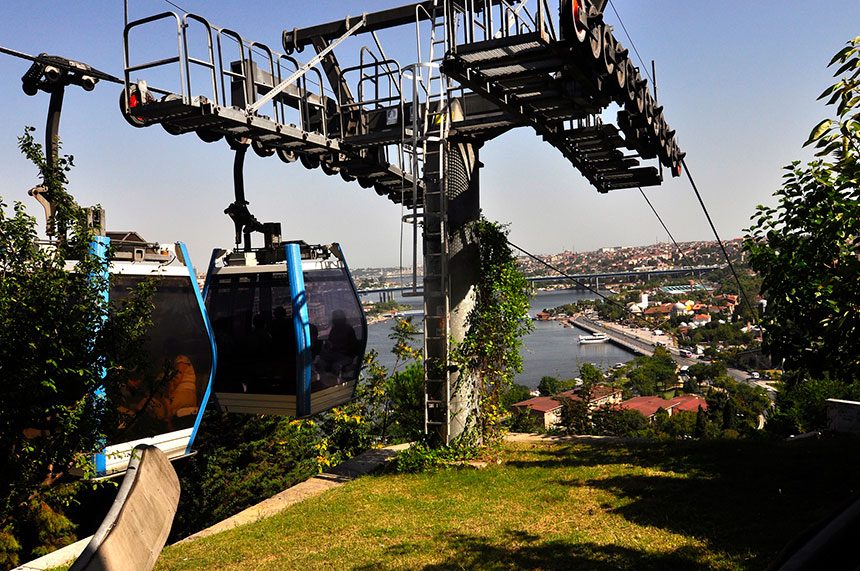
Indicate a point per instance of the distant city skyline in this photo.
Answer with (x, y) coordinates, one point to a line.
(738, 80)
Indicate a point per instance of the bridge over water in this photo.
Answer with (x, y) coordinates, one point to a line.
(593, 277)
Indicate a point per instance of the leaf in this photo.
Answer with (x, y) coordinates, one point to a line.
(841, 54)
(818, 131)
(846, 66)
(827, 91)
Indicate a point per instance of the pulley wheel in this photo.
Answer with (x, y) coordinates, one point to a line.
(620, 67)
(172, 129)
(134, 100)
(365, 182)
(262, 150)
(309, 161)
(346, 176)
(648, 109)
(631, 79)
(659, 129)
(208, 135)
(608, 51)
(639, 100)
(286, 156)
(237, 143)
(574, 21)
(595, 42)
(329, 168)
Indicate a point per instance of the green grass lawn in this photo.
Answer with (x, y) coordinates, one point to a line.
(584, 505)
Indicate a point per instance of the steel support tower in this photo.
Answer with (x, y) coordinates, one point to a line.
(413, 132)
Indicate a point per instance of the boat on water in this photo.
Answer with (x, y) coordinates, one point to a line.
(593, 338)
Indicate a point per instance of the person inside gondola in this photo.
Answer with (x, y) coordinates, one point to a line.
(339, 351)
(284, 340)
(180, 399)
(228, 376)
(152, 411)
(260, 350)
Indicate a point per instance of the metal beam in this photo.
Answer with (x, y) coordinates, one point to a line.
(298, 38)
(331, 67)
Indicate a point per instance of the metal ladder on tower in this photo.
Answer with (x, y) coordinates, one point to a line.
(424, 145)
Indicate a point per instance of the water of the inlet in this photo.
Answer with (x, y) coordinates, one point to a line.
(551, 349)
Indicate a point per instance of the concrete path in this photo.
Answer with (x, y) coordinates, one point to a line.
(530, 438)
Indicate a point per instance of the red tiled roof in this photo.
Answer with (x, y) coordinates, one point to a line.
(649, 405)
(546, 404)
(690, 403)
(602, 391)
(645, 405)
(659, 309)
(539, 404)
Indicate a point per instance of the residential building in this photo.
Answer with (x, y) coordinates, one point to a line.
(648, 406)
(547, 410)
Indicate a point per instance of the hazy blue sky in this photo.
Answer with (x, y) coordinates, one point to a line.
(738, 81)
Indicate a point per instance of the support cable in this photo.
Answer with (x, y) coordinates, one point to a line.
(607, 299)
(719, 241)
(632, 44)
(562, 273)
(677, 246)
(177, 6)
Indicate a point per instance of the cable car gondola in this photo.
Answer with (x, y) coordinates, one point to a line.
(161, 405)
(289, 327)
(163, 401)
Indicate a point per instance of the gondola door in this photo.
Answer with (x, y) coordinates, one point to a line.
(162, 403)
(290, 335)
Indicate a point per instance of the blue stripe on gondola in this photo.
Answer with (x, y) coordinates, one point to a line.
(207, 283)
(209, 332)
(302, 327)
(99, 248)
(101, 464)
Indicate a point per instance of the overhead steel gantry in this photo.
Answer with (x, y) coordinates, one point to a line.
(413, 132)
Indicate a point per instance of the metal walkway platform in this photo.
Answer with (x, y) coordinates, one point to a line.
(539, 82)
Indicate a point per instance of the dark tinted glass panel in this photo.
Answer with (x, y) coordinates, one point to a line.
(167, 394)
(252, 319)
(338, 332)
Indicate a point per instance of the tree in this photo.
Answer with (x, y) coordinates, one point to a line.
(59, 342)
(707, 371)
(575, 416)
(806, 248)
(653, 374)
(548, 386)
(489, 352)
(679, 425)
(736, 406)
(590, 374)
(514, 394)
(608, 421)
(701, 428)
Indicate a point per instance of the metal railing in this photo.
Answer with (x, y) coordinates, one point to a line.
(471, 21)
(225, 73)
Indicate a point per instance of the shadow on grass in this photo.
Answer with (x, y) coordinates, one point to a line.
(745, 498)
(524, 550)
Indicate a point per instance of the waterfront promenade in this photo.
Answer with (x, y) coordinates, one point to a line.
(642, 342)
